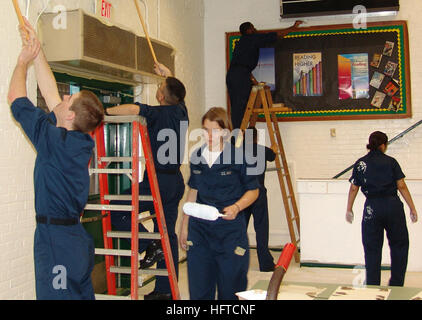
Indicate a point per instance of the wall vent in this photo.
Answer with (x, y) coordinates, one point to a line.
(89, 48)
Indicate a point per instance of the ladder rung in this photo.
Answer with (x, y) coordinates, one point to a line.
(116, 159)
(120, 159)
(110, 171)
(128, 235)
(108, 207)
(111, 297)
(113, 252)
(271, 109)
(144, 219)
(124, 197)
(124, 119)
(127, 270)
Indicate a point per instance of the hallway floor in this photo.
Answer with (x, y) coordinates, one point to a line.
(295, 273)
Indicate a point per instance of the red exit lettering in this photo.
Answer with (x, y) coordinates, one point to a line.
(105, 9)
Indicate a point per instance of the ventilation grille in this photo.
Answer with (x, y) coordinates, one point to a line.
(144, 57)
(89, 48)
(110, 44)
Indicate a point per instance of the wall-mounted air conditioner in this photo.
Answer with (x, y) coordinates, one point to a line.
(315, 8)
(89, 48)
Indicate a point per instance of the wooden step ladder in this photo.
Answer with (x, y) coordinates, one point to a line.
(139, 128)
(260, 101)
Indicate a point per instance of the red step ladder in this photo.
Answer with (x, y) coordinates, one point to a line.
(139, 128)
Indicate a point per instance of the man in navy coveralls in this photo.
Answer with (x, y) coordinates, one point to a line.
(63, 250)
(164, 122)
(245, 58)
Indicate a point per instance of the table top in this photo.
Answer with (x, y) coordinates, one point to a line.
(330, 290)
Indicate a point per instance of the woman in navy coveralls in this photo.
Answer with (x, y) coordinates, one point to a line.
(218, 253)
(379, 176)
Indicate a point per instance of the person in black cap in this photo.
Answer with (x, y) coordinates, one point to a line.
(239, 78)
(379, 176)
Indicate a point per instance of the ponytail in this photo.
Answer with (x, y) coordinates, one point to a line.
(376, 139)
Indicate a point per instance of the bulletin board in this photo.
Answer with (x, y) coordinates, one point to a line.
(337, 72)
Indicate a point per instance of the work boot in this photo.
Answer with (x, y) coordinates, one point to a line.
(154, 253)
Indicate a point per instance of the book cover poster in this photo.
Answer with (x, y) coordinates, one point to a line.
(388, 48)
(265, 69)
(377, 79)
(353, 76)
(391, 88)
(376, 60)
(394, 103)
(378, 99)
(390, 68)
(307, 74)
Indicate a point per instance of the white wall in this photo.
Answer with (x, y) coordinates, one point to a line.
(309, 147)
(326, 236)
(177, 22)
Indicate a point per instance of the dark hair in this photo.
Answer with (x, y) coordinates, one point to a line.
(220, 116)
(175, 92)
(89, 112)
(244, 27)
(376, 139)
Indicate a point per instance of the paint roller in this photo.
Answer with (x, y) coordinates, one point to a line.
(201, 211)
(280, 271)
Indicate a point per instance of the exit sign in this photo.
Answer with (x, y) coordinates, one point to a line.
(105, 9)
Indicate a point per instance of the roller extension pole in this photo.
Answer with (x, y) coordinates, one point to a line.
(19, 14)
(145, 31)
(280, 271)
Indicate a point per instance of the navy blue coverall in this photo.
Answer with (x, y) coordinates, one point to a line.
(218, 255)
(167, 127)
(377, 175)
(238, 79)
(259, 210)
(63, 250)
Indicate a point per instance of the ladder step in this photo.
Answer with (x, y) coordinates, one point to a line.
(111, 297)
(110, 171)
(124, 197)
(125, 119)
(120, 159)
(116, 159)
(108, 207)
(128, 235)
(127, 270)
(147, 218)
(113, 252)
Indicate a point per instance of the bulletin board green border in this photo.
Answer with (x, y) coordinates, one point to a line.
(399, 26)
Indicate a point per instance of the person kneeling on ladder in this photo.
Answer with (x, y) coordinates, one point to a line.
(172, 115)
